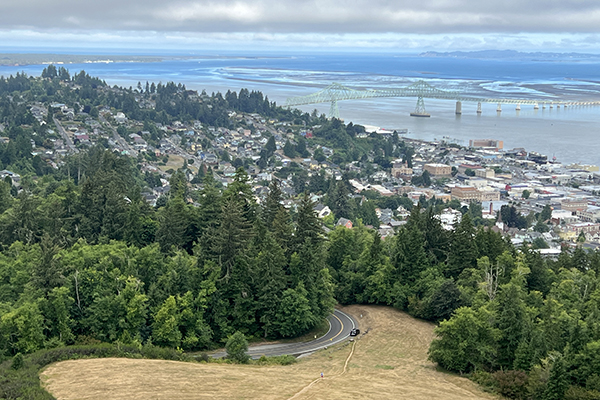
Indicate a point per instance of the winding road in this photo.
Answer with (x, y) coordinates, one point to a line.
(340, 325)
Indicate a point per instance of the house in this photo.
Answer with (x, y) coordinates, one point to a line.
(346, 223)
(16, 178)
(322, 210)
(120, 118)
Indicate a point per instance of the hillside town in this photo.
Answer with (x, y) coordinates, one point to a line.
(483, 172)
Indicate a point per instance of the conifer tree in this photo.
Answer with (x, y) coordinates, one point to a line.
(236, 348)
(272, 204)
(463, 252)
(240, 191)
(340, 201)
(283, 230)
(231, 236)
(308, 226)
(409, 257)
(271, 281)
(511, 318)
(173, 225)
(557, 381)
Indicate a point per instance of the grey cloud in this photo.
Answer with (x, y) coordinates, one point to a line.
(287, 16)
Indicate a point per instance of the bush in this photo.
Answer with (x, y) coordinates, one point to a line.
(17, 361)
(236, 347)
(283, 360)
(484, 379)
(579, 393)
(277, 360)
(512, 384)
(593, 382)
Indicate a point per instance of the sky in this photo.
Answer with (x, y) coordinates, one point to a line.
(382, 25)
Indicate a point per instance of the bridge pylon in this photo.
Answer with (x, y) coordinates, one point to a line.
(420, 109)
(334, 110)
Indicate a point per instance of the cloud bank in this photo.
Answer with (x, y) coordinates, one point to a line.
(372, 23)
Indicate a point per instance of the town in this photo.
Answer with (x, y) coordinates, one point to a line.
(518, 192)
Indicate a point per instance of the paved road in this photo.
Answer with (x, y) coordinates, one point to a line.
(118, 139)
(68, 142)
(340, 325)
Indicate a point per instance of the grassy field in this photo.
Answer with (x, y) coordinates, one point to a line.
(390, 361)
(175, 162)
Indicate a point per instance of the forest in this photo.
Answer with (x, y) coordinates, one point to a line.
(94, 262)
(85, 259)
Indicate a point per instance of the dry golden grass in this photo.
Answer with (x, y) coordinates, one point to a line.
(175, 162)
(387, 363)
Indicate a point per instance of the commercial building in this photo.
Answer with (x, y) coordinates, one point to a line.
(485, 173)
(574, 205)
(465, 193)
(438, 169)
(487, 144)
(470, 193)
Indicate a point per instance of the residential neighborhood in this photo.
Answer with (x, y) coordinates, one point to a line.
(440, 171)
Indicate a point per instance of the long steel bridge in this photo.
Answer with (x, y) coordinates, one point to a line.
(421, 90)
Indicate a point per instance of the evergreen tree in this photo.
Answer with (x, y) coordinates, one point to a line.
(270, 147)
(463, 252)
(173, 225)
(272, 204)
(545, 214)
(5, 197)
(289, 149)
(409, 257)
(283, 230)
(236, 348)
(445, 300)
(340, 202)
(301, 148)
(436, 237)
(308, 226)
(240, 191)
(511, 318)
(271, 282)
(557, 381)
(231, 236)
(367, 213)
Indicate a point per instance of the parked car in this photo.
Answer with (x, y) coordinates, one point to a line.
(355, 332)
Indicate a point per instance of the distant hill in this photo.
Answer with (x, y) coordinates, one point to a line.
(511, 54)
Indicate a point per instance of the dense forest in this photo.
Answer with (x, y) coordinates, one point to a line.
(95, 260)
(84, 258)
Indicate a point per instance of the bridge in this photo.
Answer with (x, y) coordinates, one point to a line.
(421, 90)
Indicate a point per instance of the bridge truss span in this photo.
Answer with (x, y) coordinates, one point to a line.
(421, 90)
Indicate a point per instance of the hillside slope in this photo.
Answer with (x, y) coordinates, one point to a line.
(390, 361)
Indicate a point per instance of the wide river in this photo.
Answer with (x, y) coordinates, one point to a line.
(570, 134)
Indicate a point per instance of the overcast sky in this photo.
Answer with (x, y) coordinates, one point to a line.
(400, 25)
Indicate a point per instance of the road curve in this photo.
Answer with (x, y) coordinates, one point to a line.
(340, 325)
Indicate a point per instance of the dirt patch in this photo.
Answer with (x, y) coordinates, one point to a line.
(390, 361)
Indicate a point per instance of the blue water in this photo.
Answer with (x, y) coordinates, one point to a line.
(572, 134)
